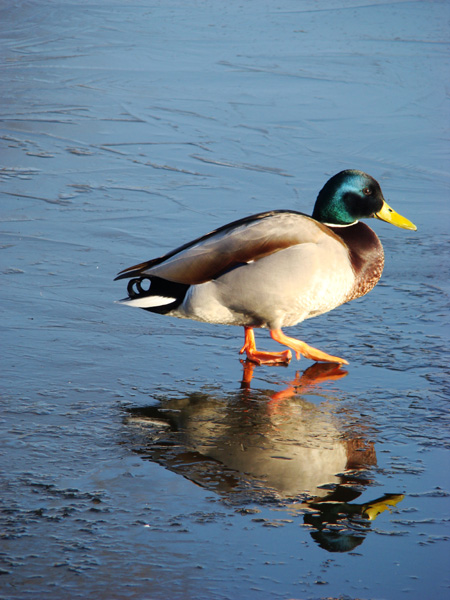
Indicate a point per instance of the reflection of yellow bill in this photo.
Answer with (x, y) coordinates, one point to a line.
(372, 510)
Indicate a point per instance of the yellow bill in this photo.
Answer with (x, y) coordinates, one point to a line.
(390, 216)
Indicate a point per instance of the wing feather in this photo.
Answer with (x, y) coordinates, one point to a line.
(242, 241)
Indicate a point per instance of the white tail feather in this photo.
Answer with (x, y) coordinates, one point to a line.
(147, 301)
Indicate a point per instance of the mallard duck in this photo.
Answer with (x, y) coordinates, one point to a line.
(274, 269)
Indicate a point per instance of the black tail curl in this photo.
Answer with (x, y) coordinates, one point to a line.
(135, 289)
(142, 287)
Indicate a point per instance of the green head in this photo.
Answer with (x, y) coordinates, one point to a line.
(353, 195)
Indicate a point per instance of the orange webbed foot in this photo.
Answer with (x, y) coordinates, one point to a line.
(302, 349)
(262, 358)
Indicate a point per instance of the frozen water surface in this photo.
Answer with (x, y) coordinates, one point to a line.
(135, 463)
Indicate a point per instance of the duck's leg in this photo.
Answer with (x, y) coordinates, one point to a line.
(262, 358)
(301, 348)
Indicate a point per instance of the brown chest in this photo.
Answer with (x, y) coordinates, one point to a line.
(366, 256)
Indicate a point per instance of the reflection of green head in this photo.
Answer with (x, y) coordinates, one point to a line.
(333, 541)
(352, 528)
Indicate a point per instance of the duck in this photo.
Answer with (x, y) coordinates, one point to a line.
(274, 269)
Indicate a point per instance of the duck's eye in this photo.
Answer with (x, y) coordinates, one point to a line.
(367, 191)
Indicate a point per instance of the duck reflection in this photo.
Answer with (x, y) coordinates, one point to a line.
(270, 447)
